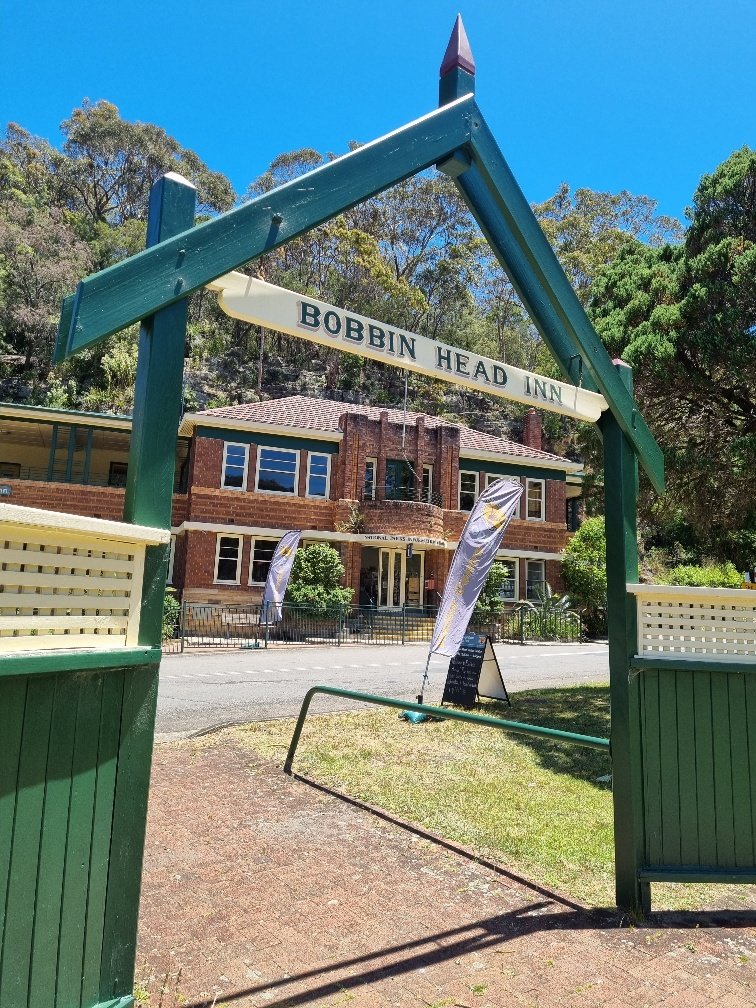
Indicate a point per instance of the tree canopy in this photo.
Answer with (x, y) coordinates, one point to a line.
(684, 316)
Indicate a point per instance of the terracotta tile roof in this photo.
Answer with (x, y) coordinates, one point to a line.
(324, 414)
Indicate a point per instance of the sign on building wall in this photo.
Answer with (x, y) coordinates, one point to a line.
(286, 311)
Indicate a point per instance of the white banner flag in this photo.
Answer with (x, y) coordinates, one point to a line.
(476, 551)
(278, 576)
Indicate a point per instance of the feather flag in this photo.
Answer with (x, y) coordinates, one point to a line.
(278, 576)
(476, 551)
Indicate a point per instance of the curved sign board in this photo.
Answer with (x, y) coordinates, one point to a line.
(282, 310)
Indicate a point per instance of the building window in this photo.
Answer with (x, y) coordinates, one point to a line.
(117, 474)
(228, 559)
(235, 458)
(468, 490)
(277, 470)
(535, 500)
(535, 577)
(427, 483)
(508, 591)
(572, 514)
(171, 558)
(259, 563)
(318, 475)
(371, 468)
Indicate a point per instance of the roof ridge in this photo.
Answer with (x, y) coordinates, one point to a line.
(336, 408)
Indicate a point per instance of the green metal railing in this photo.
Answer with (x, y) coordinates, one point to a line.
(445, 713)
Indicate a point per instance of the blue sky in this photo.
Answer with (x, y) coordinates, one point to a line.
(645, 95)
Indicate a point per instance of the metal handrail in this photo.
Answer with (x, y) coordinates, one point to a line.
(444, 713)
(387, 493)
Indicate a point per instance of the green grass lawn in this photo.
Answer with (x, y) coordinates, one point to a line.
(539, 807)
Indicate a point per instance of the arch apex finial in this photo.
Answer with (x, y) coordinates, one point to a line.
(458, 54)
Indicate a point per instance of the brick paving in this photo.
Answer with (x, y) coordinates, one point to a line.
(260, 890)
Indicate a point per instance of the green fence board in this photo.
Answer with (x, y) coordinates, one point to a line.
(52, 856)
(78, 847)
(17, 941)
(686, 759)
(107, 764)
(720, 716)
(707, 825)
(12, 702)
(129, 821)
(669, 769)
(750, 707)
(651, 766)
(741, 773)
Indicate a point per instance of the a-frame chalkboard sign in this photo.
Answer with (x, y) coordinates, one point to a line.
(474, 672)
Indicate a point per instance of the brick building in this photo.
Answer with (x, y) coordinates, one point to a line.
(369, 481)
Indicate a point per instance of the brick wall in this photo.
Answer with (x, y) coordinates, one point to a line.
(403, 518)
(93, 502)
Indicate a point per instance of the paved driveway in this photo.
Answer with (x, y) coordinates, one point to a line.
(201, 691)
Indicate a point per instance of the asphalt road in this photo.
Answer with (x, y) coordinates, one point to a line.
(202, 691)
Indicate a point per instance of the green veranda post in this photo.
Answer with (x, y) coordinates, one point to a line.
(79, 726)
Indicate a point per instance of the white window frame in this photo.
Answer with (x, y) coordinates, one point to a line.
(528, 484)
(240, 540)
(515, 578)
(427, 468)
(374, 462)
(226, 446)
(327, 494)
(467, 472)
(277, 493)
(542, 564)
(171, 560)
(253, 542)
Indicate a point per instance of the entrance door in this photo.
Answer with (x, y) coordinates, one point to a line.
(399, 579)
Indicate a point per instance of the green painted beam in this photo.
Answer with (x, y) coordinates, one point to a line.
(682, 664)
(269, 440)
(108, 301)
(672, 873)
(54, 662)
(517, 264)
(550, 293)
(467, 464)
(620, 507)
(157, 407)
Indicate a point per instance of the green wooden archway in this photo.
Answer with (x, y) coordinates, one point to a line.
(152, 287)
(73, 804)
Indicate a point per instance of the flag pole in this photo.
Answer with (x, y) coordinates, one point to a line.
(425, 678)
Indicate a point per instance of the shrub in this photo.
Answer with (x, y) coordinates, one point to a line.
(490, 600)
(315, 583)
(171, 610)
(584, 569)
(724, 575)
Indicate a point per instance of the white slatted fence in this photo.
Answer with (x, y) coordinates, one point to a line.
(68, 581)
(703, 623)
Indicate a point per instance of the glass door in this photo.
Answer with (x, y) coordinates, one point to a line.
(400, 581)
(391, 579)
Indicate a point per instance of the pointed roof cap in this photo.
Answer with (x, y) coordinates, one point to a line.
(458, 52)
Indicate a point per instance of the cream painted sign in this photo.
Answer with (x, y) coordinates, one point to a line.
(285, 311)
